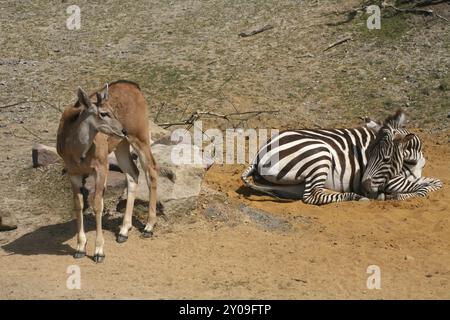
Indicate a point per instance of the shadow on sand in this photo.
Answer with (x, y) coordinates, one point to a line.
(277, 196)
(51, 239)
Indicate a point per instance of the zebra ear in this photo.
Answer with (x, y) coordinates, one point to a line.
(372, 125)
(403, 138)
(408, 138)
(398, 120)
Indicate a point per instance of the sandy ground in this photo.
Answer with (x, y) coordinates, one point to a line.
(318, 252)
(187, 56)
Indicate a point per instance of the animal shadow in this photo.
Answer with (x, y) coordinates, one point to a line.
(279, 197)
(51, 239)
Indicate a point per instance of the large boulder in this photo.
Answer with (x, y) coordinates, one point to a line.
(179, 180)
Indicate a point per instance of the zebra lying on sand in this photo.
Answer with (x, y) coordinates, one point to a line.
(321, 166)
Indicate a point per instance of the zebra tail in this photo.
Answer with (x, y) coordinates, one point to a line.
(248, 173)
(271, 191)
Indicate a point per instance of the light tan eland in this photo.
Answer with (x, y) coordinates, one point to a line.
(108, 120)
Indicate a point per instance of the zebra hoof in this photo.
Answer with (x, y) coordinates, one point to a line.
(121, 238)
(381, 197)
(79, 254)
(364, 199)
(147, 234)
(99, 258)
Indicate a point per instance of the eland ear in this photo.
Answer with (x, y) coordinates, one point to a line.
(103, 95)
(83, 98)
(99, 99)
(105, 92)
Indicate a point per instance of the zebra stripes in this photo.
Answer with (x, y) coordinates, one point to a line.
(401, 188)
(321, 166)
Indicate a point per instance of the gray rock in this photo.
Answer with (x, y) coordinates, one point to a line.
(43, 155)
(114, 180)
(179, 184)
(7, 221)
(113, 164)
(265, 219)
(156, 132)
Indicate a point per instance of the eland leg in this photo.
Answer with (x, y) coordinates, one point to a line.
(149, 166)
(77, 184)
(127, 165)
(100, 181)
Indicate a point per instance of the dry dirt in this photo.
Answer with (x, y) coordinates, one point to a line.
(186, 55)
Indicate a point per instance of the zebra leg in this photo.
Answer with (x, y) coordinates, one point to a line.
(315, 193)
(401, 188)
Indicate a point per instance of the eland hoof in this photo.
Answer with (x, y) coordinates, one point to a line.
(79, 254)
(147, 234)
(121, 238)
(99, 258)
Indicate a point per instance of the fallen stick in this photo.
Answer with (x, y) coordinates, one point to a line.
(428, 3)
(252, 33)
(197, 114)
(32, 101)
(337, 43)
(427, 12)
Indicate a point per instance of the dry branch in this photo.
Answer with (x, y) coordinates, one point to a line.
(161, 106)
(337, 43)
(229, 116)
(427, 12)
(32, 101)
(251, 33)
(428, 3)
(351, 14)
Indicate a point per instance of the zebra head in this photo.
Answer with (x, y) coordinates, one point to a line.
(386, 154)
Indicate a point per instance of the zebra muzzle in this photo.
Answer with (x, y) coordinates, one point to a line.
(368, 190)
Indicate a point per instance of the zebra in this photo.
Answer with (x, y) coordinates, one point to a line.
(321, 166)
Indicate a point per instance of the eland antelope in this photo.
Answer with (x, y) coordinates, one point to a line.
(108, 120)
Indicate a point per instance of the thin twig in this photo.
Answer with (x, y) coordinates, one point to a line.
(427, 12)
(351, 14)
(252, 33)
(31, 101)
(337, 43)
(197, 115)
(162, 105)
(34, 134)
(439, 16)
(428, 3)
